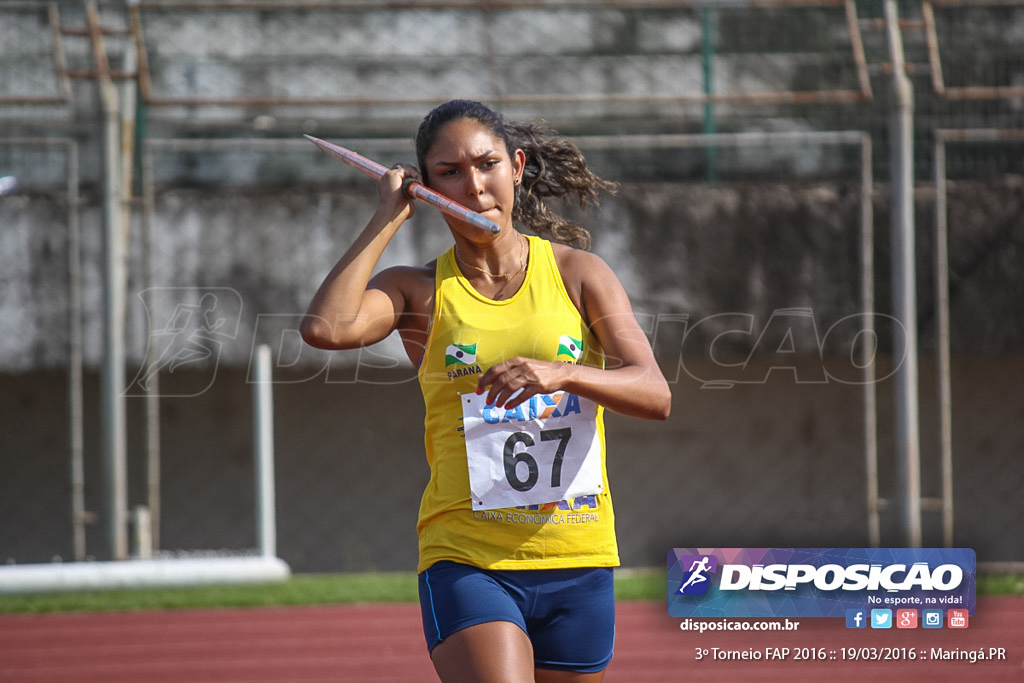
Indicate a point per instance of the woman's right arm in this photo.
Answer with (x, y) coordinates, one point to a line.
(346, 312)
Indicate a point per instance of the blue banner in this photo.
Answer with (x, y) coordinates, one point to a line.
(818, 582)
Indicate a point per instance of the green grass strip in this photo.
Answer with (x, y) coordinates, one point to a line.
(334, 589)
(301, 589)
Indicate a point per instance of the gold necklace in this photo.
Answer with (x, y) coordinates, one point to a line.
(502, 276)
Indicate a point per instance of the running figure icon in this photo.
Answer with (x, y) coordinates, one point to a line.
(697, 573)
(191, 336)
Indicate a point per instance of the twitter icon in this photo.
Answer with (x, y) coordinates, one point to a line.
(881, 618)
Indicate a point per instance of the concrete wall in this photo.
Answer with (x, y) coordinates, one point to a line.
(702, 251)
(772, 464)
(775, 459)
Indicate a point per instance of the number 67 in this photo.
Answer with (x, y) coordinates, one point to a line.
(512, 459)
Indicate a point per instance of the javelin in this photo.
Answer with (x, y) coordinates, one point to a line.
(413, 188)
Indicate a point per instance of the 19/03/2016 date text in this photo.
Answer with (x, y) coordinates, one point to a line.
(852, 654)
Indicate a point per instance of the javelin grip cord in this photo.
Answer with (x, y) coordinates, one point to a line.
(413, 188)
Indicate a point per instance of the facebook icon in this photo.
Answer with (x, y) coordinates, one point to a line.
(856, 618)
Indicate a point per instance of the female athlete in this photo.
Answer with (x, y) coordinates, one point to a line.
(521, 342)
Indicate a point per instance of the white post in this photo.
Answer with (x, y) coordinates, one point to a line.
(867, 353)
(904, 292)
(114, 275)
(76, 400)
(263, 437)
(142, 537)
(942, 332)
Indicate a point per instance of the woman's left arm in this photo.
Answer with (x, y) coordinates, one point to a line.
(631, 383)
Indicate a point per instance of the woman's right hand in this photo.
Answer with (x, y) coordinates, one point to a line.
(391, 193)
(348, 310)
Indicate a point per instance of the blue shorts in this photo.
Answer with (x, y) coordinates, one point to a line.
(568, 614)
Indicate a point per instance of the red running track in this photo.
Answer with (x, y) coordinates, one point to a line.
(371, 643)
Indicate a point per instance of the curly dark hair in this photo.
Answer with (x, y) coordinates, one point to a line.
(555, 167)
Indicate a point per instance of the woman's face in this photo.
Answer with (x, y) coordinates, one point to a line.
(470, 165)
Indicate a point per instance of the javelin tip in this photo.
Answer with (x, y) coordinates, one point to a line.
(315, 140)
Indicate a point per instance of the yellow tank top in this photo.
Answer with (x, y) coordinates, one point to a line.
(468, 334)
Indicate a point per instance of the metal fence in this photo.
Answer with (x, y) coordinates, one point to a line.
(210, 100)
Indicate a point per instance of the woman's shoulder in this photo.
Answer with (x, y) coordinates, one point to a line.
(406, 276)
(584, 275)
(578, 263)
(415, 284)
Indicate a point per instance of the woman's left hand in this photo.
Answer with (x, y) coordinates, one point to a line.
(515, 380)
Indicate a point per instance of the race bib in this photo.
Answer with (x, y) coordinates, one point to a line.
(542, 451)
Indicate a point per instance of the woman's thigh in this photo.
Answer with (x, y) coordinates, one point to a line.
(492, 652)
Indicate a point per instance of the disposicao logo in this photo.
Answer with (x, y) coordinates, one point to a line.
(696, 580)
(818, 582)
